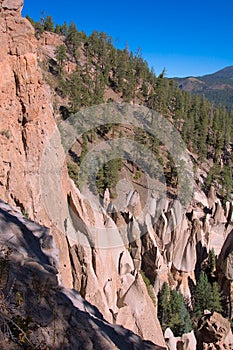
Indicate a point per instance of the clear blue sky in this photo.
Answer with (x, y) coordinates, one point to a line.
(187, 37)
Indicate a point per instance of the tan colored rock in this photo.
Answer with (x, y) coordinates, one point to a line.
(225, 271)
(26, 123)
(144, 312)
(125, 263)
(12, 5)
(219, 216)
(225, 259)
(170, 339)
(106, 277)
(186, 342)
(47, 45)
(213, 330)
(212, 198)
(133, 203)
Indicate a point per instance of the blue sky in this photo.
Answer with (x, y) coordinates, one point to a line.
(186, 37)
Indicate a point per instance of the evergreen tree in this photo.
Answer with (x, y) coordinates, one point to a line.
(180, 321)
(73, 39)
(227, 182)
(216, 299)
(61, 56)
(172, 311)
(57, 29)
(164, 306)
(48, 24)
(64, 29)
(185, 320)
(202, 295)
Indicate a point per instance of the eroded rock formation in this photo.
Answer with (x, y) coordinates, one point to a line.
(214, 332)
(174, 243)
(106, 278)
(38, 313)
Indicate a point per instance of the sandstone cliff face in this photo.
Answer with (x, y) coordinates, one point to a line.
(26, 123)
(106, 279)
(176, 244)
(35, 312)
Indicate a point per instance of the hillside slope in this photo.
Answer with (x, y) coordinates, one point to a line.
(216, 87)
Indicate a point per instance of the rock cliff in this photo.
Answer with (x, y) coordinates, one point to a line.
(170, 250)
(104, 278)
(35, 312)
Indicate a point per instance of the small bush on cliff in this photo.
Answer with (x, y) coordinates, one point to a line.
(149, 287)
(14, 325)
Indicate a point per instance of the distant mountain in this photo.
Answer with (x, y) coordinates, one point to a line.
(217, 87)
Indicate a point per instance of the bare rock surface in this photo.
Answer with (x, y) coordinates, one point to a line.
(12, 4)
(103, 277)
(214, 332)
(28, 256)
(186, 342)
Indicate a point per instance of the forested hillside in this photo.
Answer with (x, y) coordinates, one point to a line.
(102, 73)
(216, 87)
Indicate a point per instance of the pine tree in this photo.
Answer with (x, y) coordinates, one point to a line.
(227, 182)
(61, 56)
(57, 29)
(48, 24)
(185, 320)
(172, 311)
(180, 321)
(164, 306)
(202, 295)
(73, 39)
(215, 299)
(64, 29)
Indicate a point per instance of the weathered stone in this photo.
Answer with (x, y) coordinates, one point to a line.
(12, 4)
(213, 329)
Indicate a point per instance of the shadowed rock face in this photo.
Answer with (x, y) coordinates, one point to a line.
(48, 315)
(225, 259)
(26, 124)
(214, 332)
(225, 272)
(176, 242)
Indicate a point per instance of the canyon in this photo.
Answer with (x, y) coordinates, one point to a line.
(99, 294)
